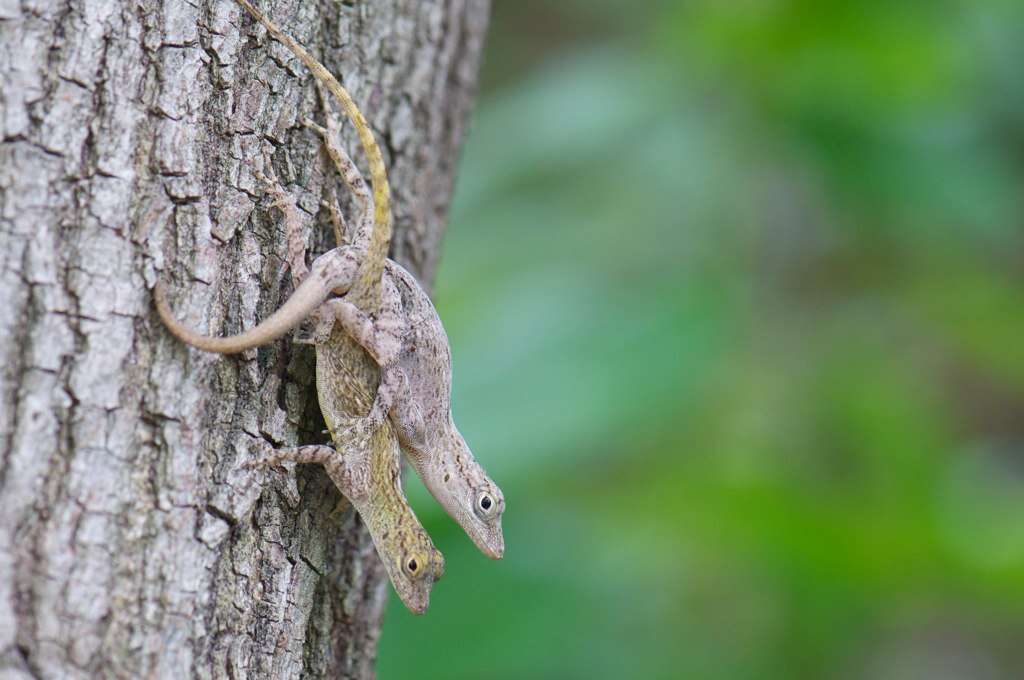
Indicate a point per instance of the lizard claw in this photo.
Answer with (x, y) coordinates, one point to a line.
(259, 463)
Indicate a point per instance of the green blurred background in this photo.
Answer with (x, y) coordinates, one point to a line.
(736, 297)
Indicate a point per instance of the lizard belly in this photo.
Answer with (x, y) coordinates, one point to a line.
(346, 379)
(425, 358)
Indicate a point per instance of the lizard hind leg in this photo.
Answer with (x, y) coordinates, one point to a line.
(347, 169)
(348, 471)
(312, 453)
(294, 237)
(338, 222)
(296, 258)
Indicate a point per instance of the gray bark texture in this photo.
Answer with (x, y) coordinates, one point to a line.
(132, 543)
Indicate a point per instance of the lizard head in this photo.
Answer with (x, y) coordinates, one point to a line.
(413, 567)
(462, 487)
(412, 562)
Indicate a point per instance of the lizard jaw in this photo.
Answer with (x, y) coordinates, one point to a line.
(490, 541)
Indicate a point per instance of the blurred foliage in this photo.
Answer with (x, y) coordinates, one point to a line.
(735, 297)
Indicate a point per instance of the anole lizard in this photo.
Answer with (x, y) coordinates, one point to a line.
(368, 472)
(416, 352)
(345, 375)
(408, 342)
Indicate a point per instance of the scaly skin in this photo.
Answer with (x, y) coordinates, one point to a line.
(423, 417)
(368, 473)
(415, 395)
(410, 345)
(366, 291)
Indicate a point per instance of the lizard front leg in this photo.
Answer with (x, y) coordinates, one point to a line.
(382, 336)
(311, 453)
(293, 231)
(348, 471)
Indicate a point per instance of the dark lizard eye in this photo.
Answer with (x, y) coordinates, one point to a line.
(485, 505)
(413, 565)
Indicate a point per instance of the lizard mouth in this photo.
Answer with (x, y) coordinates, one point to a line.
(492, 546)
(415, 600)
(418, 608)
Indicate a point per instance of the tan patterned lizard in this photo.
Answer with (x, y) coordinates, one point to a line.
(368, 472)
(405, 337)
(417, 352)
(407, 340)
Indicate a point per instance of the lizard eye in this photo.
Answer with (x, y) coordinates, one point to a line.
(485, 505)
(413, 565)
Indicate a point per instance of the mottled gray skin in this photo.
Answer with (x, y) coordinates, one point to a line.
(423, 417)
(408, 341)
(394, 320)
(366, 466)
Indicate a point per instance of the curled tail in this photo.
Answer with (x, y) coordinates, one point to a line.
(365, 291)
(302, 303)
(334, 269)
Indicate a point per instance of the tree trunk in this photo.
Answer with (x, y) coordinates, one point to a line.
(132, 543)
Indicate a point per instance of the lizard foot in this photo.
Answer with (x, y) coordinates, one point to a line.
(313, 453)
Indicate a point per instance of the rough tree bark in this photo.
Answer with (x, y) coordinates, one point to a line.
(131, 542)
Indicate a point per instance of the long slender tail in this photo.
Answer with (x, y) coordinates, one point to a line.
(334, 270)
(366, 290)
(306, 298)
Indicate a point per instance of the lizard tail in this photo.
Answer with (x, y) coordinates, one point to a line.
(306, 298)
(366, 288)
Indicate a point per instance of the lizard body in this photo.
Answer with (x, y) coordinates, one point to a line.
(366, 469)
(369, 472)
(423, 418)
(393, 319)
(409, 343)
